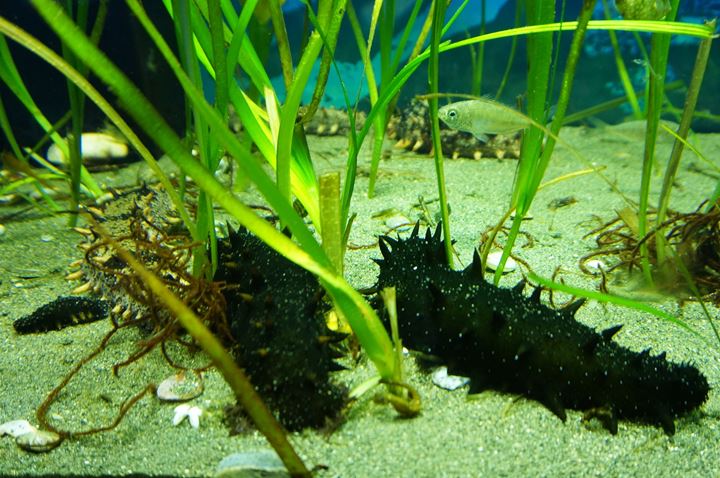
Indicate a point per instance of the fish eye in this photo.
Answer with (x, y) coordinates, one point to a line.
(452, 114)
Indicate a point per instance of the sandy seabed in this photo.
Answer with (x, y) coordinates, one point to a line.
(491, 434)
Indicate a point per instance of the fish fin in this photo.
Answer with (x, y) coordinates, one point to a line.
(550, 113)
(482, 137)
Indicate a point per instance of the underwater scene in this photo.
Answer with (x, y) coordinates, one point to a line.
(344, 238)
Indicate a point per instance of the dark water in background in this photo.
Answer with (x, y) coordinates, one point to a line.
(596, 78)
(123, 40)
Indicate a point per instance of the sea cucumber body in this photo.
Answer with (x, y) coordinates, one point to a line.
(60, 313)
(275, 313)
(504, 340)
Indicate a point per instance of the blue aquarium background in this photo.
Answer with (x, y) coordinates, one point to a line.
(596, 77)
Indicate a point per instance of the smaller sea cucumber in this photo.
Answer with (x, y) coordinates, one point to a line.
(62, 312)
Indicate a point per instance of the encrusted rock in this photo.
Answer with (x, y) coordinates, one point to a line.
(252, 464)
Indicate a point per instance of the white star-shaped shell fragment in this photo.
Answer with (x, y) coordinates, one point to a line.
(190, 411)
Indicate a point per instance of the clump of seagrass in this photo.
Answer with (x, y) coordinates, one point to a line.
(692, 240)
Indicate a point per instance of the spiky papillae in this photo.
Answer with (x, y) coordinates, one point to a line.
(275, 312)
(504, 340)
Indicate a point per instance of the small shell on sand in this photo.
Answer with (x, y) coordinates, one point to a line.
(15, 428)
(442, 379)
(493, 260)
(180, 387)
(38, 441)
(595, 265)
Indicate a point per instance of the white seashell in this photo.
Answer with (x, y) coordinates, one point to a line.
(180, 387)
(38, 441)
(493, 260)
(55, 155)
(441, 378)
(16, 428)
(595, 265)
(94, 146)
(103, 146)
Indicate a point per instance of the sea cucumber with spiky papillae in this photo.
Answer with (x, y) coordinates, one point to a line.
(506, 341)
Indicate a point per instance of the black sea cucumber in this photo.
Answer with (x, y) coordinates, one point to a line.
(272, 310)
(62, 312)
(275, 311)
(505, 341)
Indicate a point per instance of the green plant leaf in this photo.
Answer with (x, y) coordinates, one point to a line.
(612, 299)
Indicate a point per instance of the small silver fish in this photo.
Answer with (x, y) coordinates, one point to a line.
(482, 117)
